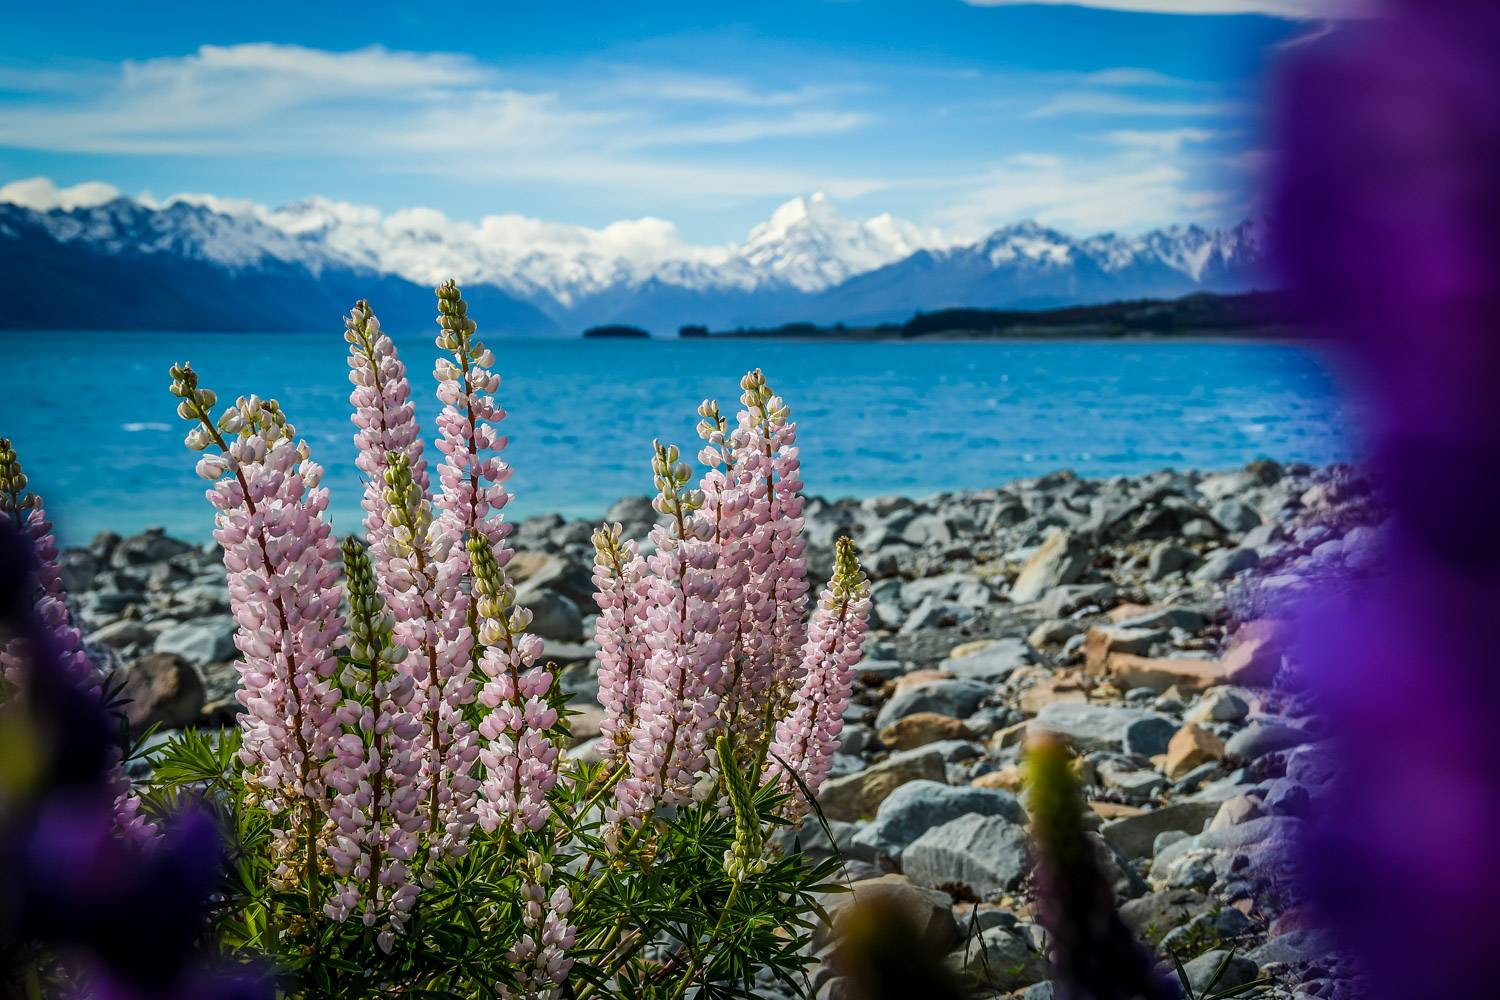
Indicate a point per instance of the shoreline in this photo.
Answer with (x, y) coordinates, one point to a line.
(1143, 620)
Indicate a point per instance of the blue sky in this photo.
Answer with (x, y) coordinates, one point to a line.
(964, 115)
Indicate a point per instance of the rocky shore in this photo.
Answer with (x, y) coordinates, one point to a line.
(1140, 618)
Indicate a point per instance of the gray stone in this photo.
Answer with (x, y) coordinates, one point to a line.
(553, 616)
(1225, 563)
(1219, 706)
(931, 613)
(1166, 839)
(813, 838)
(989, 854)
(163, 690)
(959, 588)
(1135, 783)
(151, 546)
(1149, 736)
(1063, 601)
(77, 569)
(1263, 537)
(1271, 831)
(1003, 958)
(1157, 913)
(200, 642)
(859, 795)
(1294, 947)
(1235, 515)
(957, 699)
(1044, 990)
(1122, 878)
(917, 807)
(1135, 836)
(569, 578)
(1241, 970)
(1288, 798)
(1312, 764)
(1088, 727)
(1168, 618)
(118, 635)
(1061, 559)
(1259, 739)
(992, 663)
(1167, 559)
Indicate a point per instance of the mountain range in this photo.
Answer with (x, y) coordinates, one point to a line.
(204, 263)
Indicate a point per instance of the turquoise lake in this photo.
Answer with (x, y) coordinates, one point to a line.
(99, 437)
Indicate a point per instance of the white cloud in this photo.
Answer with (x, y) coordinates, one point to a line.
(1084, 196)
(1299, 10)
(40, 194)
(1167, 141)
(1120, 105)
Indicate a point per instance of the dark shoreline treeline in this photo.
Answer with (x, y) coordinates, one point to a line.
(1251, 314)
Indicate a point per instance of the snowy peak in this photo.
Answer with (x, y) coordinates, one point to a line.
(808, 244)
(806, 250)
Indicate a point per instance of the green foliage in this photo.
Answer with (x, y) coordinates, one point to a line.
(654, 917)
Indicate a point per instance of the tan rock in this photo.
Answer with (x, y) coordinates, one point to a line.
(857, 796)
(1191, 746)
(1131, 671)
(922, 728)
(1233, 812)
(584, 724)
(965, 648)
(1008, 737)
(917, 678)
(1053, 633)
(1010, 777)
(1124, 612)
(1054, 689)
(1100, 643)
(1114, 810)
(524, 564)
(1060, 559)
(1254, 656)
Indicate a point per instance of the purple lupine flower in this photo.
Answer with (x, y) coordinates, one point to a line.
(29, 516)
(1389, 223)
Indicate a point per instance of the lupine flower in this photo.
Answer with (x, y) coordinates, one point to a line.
(807, 737)
(1389, 221)
(541, 953)
(729, 506)
(50, 602)
(1093, 954)
(620, 591)
(432, 623)
(120, 914)
(519, 757)
(284, 594)
(377, 813)
(766, 457)
(678, 699)
(415, 571)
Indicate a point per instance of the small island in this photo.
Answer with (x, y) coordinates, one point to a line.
(617, 331)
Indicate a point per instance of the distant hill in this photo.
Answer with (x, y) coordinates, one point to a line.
(1202, 313)
(204, 264)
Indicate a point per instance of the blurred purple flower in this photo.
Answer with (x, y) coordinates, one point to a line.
(126, 920)
(1388, 211)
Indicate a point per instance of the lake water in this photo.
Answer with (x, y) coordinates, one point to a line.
(99, 437)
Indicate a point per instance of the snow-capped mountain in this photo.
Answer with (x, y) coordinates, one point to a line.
(806, 262)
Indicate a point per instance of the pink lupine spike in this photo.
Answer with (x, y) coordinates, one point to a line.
(51, 603)
(764, 446)
(807, 736)
(279, 554)
(375, 769)
(621, 592)
(541, 952)
(520, 759)
(679, 690)
(412, 552)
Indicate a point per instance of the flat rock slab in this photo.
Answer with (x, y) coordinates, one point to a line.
(989, 854)
(918, 806)
(957, 699)
(1133, 836)
(857, 796)
(1089, 727)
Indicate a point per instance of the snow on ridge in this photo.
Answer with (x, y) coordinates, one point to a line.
(806, 244)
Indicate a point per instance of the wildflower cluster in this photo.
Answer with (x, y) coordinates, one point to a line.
(401, 812)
